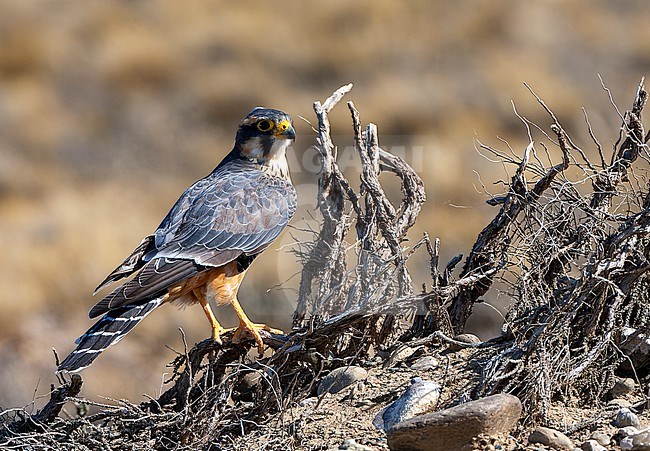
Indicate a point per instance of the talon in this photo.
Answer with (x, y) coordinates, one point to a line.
(251, 330)
(216, 337)
(246, 325)
(270, 329)
(216, 333)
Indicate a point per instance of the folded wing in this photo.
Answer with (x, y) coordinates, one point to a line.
(236, 210)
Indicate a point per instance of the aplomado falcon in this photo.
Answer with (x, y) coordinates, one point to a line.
(204, 246)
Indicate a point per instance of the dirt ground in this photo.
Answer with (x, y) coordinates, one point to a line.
(323, 423)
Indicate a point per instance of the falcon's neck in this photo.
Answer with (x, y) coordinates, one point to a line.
(278, 165)
(270, 155)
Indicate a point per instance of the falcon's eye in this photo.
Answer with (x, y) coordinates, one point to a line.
(264, 125)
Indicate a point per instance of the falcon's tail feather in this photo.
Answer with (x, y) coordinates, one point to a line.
(110, 329)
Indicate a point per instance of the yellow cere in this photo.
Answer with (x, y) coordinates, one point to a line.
(283, 126)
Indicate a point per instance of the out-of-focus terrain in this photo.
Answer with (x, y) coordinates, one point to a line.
(108, 110)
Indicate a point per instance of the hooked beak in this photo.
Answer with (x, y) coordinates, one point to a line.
(285, 131)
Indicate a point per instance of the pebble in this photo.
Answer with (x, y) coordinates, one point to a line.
(308, 401)
(377, 360)
(341, 378)
(625, 417)
(464, 338)
(601, 438)
(425, 363)
(399, 355)
(351, 445)
(419, 398)
(456, 427)
(637, 442)
(593, 445)
(622, 387)
(550, 437)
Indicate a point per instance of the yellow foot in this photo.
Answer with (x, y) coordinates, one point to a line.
(252, 330)
(216, 334)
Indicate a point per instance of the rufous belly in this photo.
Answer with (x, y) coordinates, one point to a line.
(219, 284)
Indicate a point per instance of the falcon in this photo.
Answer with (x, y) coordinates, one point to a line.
(206, 243)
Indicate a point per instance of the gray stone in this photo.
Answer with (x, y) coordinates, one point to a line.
(456, 427)
(601, 438)
(399, 355)
(550, 437)
(625, 417)
(592, 445)
(637, 442)
(627, 431)
(419, 398)
(250, 380)
(340, 378)
(622, 387)
(626, 444)
(464, 338)
(635, 343)
(425, 363)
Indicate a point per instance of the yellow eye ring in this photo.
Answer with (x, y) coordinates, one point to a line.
(265, 125)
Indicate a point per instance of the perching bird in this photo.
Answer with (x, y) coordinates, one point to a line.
(205, 244)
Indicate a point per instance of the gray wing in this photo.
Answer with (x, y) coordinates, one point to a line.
(236, 210)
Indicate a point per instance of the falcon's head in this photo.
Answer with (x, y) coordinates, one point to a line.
(264, 135)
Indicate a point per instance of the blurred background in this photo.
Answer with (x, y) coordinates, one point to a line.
(109, 110)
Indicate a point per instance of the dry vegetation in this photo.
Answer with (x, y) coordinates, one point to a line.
(569, 246)
(110, 109)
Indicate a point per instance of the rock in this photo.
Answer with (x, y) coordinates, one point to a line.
(601, 438)
(464, 338)
(635, 343)
(637, 442)
(340, 378)
(248, 384)
(622, 387)
(375, 361)
(456, 427)
(399, 355)
(626, 444)
(425, 363)
(308, 401)
(550, 437)
(351, 445)
(625, 417)
(419, 398)
(626, 432)
(592, 445)
(250, 380)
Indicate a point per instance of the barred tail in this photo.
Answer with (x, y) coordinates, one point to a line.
(110, 329)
